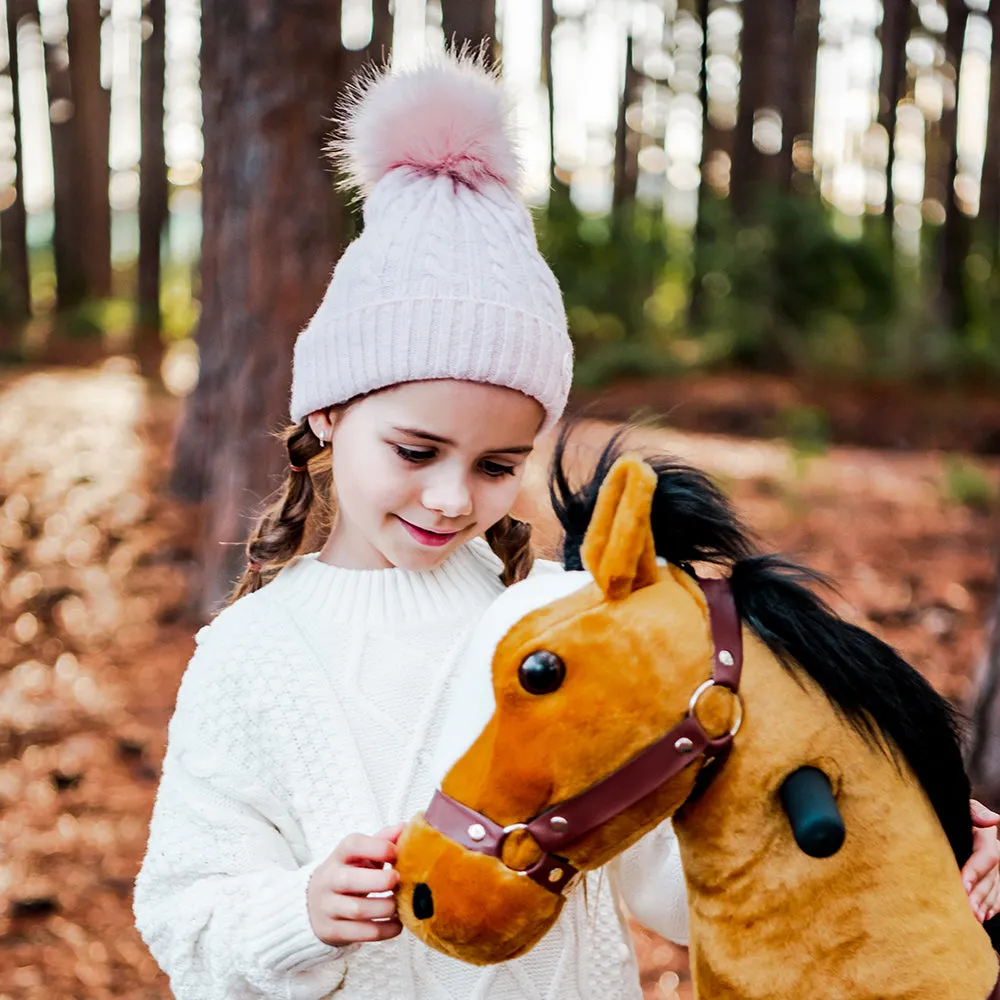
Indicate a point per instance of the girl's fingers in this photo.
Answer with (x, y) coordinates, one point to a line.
(981, 873)
(360, 908)
(986, 907)
(356, 931)
(989, 901)
(984, 859)
(980, 895)
(359, 847)
(992, 907)
(981, 816)
(986, 904)
(350, 880)
(391, 833)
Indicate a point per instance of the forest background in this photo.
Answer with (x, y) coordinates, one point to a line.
(775, 224)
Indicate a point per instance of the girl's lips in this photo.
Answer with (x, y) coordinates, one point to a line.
(435, 538)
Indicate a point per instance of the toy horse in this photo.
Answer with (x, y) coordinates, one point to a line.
(814, 779)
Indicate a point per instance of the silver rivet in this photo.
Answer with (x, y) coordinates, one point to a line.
(555, 874)
(683, 745)
(726, 658)
(559, 823)
(477, 831)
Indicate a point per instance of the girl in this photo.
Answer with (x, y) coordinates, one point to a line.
(313, 703)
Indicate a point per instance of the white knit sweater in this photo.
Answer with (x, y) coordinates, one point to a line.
(311, 710)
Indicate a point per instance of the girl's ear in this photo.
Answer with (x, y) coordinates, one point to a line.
(321, 424)
(618, 547)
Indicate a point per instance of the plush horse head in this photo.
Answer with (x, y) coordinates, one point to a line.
(814, 778)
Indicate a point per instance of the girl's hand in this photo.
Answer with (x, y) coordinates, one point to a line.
(341, 908)
(980, 875)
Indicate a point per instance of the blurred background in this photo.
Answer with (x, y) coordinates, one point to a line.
(775, 224)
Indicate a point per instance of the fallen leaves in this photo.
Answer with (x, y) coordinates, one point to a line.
(93, 639)
(82, 596)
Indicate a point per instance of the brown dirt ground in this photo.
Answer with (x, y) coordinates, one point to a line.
(93, 636)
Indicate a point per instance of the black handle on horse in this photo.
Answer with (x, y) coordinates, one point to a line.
(808, 801)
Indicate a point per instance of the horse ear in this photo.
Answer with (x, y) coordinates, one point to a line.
(618, 547)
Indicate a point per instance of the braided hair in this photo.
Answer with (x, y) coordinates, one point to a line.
(510, 539)
(282, 527)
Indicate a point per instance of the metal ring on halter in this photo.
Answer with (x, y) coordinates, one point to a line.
(504, 833)
(711, 683)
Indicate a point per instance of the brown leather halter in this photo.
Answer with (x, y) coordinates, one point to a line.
(574, 818)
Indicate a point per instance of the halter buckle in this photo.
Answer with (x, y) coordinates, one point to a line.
(707, 685)
(501, 840)
(548, 880)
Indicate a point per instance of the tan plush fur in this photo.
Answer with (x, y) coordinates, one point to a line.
(885, 917)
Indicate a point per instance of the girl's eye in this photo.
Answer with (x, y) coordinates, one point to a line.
(495, 470)
(413, 454)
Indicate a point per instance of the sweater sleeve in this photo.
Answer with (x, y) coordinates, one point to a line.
(650, 881)
(220, 899)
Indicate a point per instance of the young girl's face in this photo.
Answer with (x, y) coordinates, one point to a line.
(422, 467)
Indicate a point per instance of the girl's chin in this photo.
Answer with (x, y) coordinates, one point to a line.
(413, 556)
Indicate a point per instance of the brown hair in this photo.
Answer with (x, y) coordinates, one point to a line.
(293, 508)
(303, 507)
(510, 539)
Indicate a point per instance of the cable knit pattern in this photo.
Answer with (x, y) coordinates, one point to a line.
(446, 280)
(449, 284)
(311, 710)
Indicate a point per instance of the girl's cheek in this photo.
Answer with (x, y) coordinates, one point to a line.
(387, 478)
(501, 497)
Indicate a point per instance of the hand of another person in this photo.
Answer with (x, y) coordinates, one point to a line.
(981, 874)
(339, 898)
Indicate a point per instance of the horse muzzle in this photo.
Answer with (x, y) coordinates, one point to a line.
(468, 905)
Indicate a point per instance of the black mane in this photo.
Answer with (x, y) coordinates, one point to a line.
(886, 701)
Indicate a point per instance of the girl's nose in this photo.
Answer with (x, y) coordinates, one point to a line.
(451, 499)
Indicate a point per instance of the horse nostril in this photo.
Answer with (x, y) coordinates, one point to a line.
(423, 901)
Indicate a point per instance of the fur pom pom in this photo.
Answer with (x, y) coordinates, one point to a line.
(446, 118)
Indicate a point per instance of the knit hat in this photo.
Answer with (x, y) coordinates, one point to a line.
(445, 281)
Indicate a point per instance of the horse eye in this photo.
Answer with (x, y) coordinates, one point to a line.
(541, 673)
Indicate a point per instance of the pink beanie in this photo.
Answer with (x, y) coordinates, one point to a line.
(446, 280)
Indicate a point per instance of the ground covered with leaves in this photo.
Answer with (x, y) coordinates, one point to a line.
(94, 634)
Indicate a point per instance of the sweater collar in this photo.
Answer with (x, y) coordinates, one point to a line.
(467, 582)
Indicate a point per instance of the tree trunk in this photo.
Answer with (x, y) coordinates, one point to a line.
(626, 144)
(714, 140)
(989, 198)
(153, 210)
(802, 93)
(13, 221)
(696, 297)
(895, 33)
(270, 76)
(984, 752)
(472, 23)
(747, 166)
(784, 86)
(91, 125)
(954, 237)
(67, 242)
(765, 47)
(548, 26)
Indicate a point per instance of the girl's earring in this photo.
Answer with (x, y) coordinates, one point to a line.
(322, 439)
